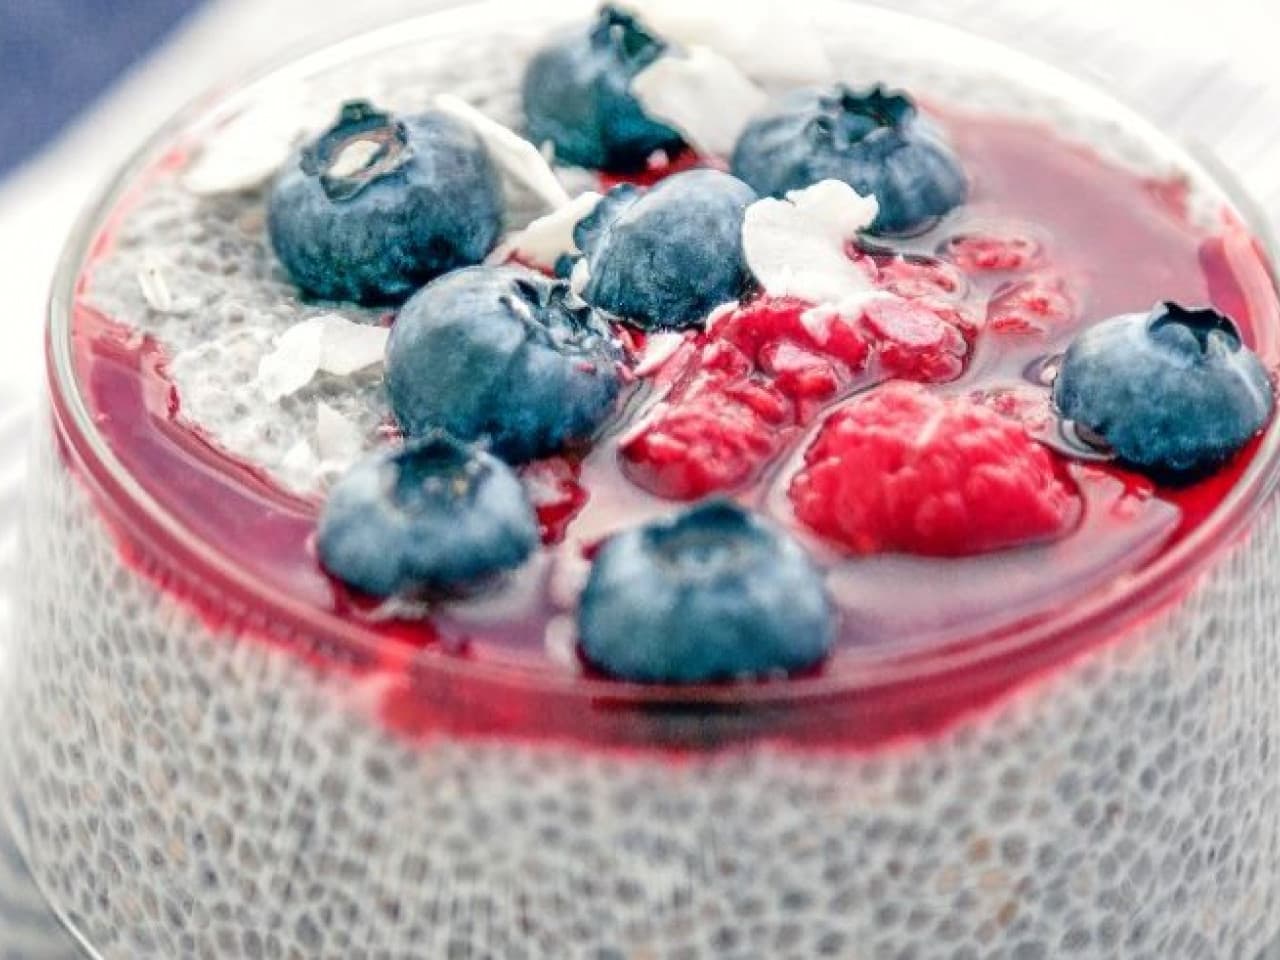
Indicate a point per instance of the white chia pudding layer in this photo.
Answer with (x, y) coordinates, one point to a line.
(185, 790)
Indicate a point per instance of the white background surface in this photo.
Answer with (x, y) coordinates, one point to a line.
(1206, 72)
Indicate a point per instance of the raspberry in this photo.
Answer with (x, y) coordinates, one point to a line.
(687, 451)
(761, 399)
(915, 342)
(1035, 305)
(996, 251)
(767, 322)
(718, 424)
(911, 275)
(800, 373)
(905, 471)
(763, 370)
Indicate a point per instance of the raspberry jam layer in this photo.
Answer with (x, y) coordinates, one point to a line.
(1053, 239)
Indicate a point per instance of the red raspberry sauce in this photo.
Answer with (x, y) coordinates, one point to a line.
(1115, 243)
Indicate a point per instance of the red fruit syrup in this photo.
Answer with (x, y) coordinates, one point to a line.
(1054, 238)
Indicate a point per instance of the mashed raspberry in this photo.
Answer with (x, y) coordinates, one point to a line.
(914, 341)
(993, 251)
(1038, 304)
(761, 372)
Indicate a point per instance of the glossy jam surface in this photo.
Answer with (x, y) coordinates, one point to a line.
(1089, 240)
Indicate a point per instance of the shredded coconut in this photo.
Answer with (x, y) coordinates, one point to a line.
(300, 461)
(338, 439)
(580, 277)
(329, 343)
(523, 166)
(797, 247)
(153, 280)
(544, 241)
(659, 348)
(702, 94)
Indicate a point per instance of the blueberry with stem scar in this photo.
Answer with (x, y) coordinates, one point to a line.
(874, 141)
(1172, 392)
(379, 205)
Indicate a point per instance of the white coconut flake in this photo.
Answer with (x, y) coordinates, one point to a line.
(293, 363)
(521, 163)
(659, 348)
(154, 281)
(348, 348)
(544, 241)
(702, 94)
(252, 146)
(772, 40)
(796, 247)
(329, 343)
(721, 313)
(300, 460)
(338, 439)
(580, 277)
(155, 289)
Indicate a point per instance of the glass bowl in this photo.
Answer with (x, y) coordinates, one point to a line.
(200, 765)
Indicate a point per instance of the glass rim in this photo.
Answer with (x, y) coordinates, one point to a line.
(1103, 612)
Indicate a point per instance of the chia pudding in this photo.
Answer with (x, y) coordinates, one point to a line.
(806, 583)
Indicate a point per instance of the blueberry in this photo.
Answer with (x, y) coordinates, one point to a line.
(874, 141)
(709, 595)
(435, 516)
(379, 205)
(577, 96)
(505, 355)
(667, 257)
(1173, 392)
